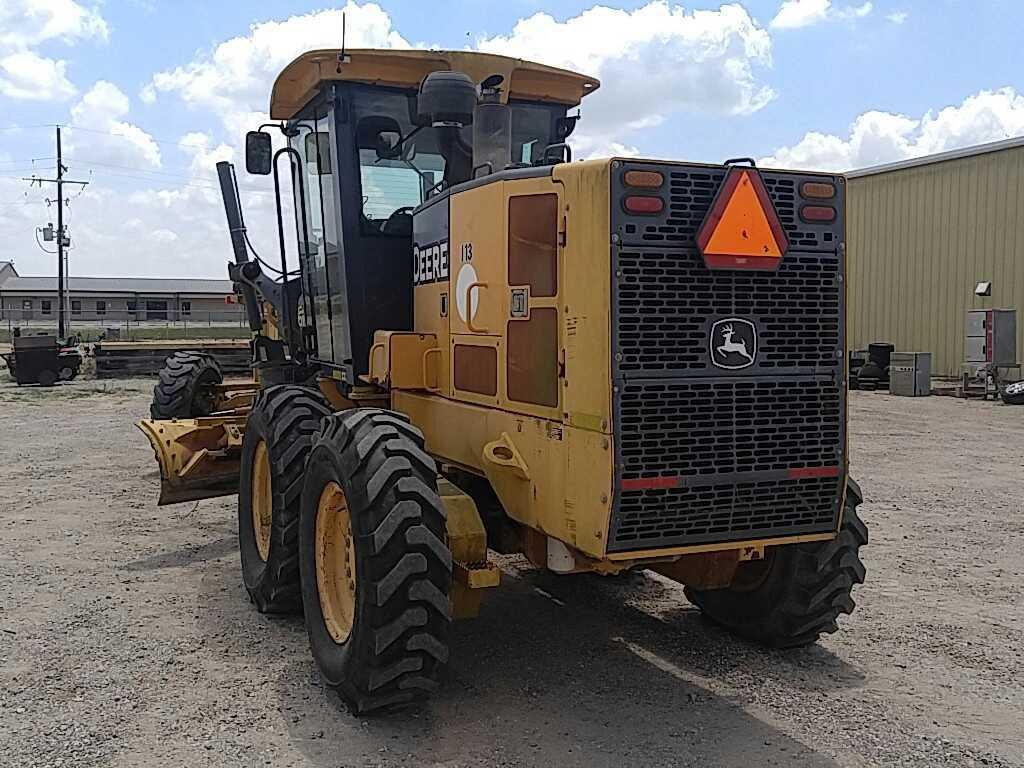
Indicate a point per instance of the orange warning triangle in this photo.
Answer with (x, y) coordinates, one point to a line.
(742, 229)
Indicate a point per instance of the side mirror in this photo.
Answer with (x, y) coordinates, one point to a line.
(258, 153)
(388, 145)
(564, 126)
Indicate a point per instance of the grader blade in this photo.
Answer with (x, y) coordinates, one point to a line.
(198, 458)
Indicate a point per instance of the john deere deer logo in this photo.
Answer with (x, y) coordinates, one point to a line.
(733, 343)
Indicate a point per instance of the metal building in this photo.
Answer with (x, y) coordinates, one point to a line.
(33, 300)
(922, 234)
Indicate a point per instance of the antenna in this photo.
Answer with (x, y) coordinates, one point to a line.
(342, 58)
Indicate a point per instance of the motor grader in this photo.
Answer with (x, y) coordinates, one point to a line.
(478, 345)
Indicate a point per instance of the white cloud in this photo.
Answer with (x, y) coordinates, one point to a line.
(164, 236)
(138, 217)
(800, 13)
(585, 145)
(880, 137)
(204, 155)
(702, 61)
(24, 24)
(898, 17)
(854, 11)
(652, 61)
(26, 75)
(236, 76)
(794, 14)
(104, 136)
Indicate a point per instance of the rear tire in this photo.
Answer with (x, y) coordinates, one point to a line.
(183, 391)
(278, 437)
(395, 643)
(792, 599)
(46, 378)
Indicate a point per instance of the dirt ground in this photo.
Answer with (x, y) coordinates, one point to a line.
(126, 638)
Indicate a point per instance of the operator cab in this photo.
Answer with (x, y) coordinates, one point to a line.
(374, 135)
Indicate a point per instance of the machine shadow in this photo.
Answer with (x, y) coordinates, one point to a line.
(533, 682)
(682, 634)
(186, 556)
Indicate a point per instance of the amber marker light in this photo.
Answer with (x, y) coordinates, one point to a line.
(643, 179)
(819, 190)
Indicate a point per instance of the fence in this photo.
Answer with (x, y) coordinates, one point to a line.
(126, 326)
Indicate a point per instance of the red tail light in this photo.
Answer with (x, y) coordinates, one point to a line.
(824, 213)
(643, 204)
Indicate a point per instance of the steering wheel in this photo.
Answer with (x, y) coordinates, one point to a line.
(399, 222)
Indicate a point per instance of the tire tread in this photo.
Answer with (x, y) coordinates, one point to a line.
(174, 396)
(811, 592)
(287, 417)
(399, 644)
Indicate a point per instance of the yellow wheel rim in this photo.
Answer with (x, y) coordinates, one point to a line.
(262, 499)
(335, 562)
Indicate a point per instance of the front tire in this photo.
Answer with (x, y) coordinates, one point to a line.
(796, 596)
(278, 438)
(184, 388)
(376, 569)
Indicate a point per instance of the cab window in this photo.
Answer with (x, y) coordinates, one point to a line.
(393, 186)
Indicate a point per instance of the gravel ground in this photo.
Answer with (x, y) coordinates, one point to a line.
(126, 638)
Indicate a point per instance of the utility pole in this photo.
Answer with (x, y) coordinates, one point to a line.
(60, 240)
(60, 181)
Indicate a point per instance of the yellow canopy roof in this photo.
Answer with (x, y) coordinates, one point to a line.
(299, 81)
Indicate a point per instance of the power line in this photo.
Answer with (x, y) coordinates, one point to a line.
(151, 180)
(192, 180)
(32, 160)
(103, 164)
(17, 127)
(167, 142)
(187, 177)
(28, 169)
(107, 132)
(157, 177)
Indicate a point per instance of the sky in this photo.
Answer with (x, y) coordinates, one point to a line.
(152, 94)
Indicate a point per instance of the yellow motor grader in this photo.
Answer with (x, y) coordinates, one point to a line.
(480, 345)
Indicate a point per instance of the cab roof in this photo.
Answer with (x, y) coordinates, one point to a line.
(299, 81)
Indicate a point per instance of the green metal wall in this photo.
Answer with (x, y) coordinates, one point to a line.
(919, 240)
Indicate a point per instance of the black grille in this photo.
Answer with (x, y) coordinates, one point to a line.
(667, 299)
(690, 194)
(724, 512)
(698, 427)
(711, 455)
